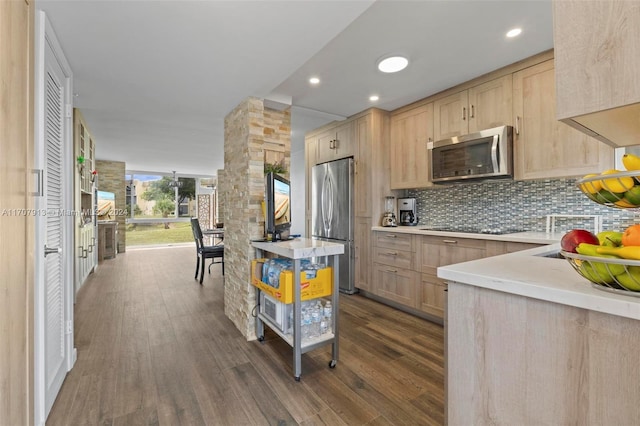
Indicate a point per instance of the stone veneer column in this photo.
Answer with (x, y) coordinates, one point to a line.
(241, 192)
(111, 179)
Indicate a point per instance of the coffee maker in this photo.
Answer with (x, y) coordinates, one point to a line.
(407, 211)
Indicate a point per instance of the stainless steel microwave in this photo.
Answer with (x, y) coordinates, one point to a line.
(482, 155)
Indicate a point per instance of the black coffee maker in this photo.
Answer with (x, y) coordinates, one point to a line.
(407, 211)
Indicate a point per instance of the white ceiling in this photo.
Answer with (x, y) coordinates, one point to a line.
(155, 79)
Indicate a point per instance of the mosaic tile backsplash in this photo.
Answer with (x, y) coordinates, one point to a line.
(522, 205)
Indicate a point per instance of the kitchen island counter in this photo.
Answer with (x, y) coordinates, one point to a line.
(532, 273)
(529, 341)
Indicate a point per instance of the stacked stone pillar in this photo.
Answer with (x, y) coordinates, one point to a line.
(251, 132)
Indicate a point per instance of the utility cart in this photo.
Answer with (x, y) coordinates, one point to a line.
(296, 250)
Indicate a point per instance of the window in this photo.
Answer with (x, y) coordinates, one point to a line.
(159, 208)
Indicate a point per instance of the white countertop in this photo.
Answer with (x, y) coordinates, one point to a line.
(554, 280)
(519, 237)
(300, 248)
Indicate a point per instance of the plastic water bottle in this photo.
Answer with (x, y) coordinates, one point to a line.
(328, 315)
(306, 325)
(315, 322)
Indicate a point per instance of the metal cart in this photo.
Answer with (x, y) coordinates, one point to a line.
(297, 249)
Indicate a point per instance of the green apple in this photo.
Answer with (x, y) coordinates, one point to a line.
(630, 279)
(633, 195)
(610, 238)
(594, 274)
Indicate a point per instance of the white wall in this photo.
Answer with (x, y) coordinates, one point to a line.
(297, 192)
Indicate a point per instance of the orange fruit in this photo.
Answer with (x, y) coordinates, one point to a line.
(631, 236)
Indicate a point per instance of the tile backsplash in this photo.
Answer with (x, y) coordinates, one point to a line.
(520, 205)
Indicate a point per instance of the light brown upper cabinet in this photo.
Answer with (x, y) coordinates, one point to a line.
(481, 107)
(410, 132)
(336, 143)
(597, 50)
(543, 146)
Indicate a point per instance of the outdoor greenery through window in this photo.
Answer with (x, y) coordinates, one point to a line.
(159, 209)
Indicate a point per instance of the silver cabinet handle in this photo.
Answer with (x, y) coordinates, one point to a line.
(39, 192)
(472, 112)
(80, 249)
(464, 113)
(517, 125)
(90, 248)
(86, 253)
(392, 253)
(391, 235)
(393, 271)
(336, 143)
(51, 250)
(450, 241)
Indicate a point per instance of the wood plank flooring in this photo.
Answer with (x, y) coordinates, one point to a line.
(155, 348)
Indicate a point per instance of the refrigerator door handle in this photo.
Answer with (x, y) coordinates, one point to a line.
(326, 201)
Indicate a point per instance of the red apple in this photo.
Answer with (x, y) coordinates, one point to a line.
(571, 239)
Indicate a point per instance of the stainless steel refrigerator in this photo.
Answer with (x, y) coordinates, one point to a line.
(332, 213)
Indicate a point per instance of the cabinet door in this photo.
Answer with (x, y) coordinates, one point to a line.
(432, 295)
(324, 146)
(597, 55)
(345, 142)
(545, 147)
(491, 104)
(362, 177)
(451, 116)
(399, 285)
(410, 133)
(363, 254)
(442, 251)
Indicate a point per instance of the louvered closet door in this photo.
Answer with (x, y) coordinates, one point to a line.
(54, 327)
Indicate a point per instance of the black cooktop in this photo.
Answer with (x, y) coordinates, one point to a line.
(474, 230)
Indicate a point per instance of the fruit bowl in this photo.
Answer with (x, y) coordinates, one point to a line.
(620, 190)
(620, 276)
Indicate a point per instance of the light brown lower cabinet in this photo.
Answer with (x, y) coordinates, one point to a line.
(405, 266)
(432, 295)
(397, 284)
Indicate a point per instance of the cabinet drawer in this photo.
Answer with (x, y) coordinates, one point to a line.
(399, 285)
(454, 241)
(394, 240)
(398, 258)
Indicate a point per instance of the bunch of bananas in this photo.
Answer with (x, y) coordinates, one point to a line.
(615, 187)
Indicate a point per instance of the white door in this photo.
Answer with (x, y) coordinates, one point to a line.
(54, 231)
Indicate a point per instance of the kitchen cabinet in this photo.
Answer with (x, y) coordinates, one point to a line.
(411, 131)
(441, 251)
(544, 147)
(481, 107)
(336, 143)
(362, 172)
(362, 243)
(394, 263)
(597, 60)
(107, 237)
(405, 267)
(86, 256)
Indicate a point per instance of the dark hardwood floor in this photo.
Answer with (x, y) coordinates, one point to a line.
(155, 348)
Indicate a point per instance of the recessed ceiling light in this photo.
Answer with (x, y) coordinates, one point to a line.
(514, 32)
(393, 64)
(374, 98)
(314, 80)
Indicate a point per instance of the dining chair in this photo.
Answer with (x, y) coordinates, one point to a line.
(205, 252)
